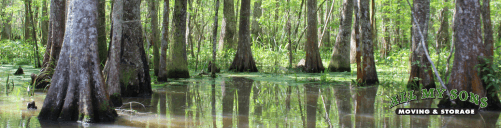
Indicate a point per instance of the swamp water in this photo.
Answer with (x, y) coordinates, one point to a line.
(246, 100)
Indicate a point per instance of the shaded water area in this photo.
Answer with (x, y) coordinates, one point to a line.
(247, 100)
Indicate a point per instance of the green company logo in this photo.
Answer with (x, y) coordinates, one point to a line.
(433, 93)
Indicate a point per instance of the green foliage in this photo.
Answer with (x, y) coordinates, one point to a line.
(17, 52)
(491, 74)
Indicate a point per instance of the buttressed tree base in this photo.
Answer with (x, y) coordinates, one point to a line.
(78, 90)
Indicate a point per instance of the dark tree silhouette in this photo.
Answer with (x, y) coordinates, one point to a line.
(244, 61)
(313, 63)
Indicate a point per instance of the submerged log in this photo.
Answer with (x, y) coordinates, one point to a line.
(19, 71)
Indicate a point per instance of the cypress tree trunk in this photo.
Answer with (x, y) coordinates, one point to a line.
(6, 25)
(324, 32)
(386, 43)
(165, 41)
(256, 26)
(443, 38)
(214, 40)
(366, 67)
(45, 23)
(313, 63)
(230, 26)
(465, 75)
(488, 32)
(33, 35)
(178, 63)
(27, 24)
(340, 60)
(494, 103)
(54, 42)
(398, 37)
(421, 72)
(288, 27)
(78, 90)
(244, 61)
(355, 31)
(153, 13)
(112, 68)
(127, 52)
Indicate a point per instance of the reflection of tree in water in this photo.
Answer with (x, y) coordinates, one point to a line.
(344, 105)
(420, 120)
(158, 101)
(241, 86)
(311, 105)
(178, 101)
(364, 106)
(480, 120)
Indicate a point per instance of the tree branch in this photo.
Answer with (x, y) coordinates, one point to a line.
(428, 55)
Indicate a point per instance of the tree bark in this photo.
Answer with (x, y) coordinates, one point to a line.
(421, 73)
(153, 13)
(45, 23)
(78, 90)
(54, 42)
(112, 67)
(443, 38)
(325, 32)
(230, 26)
(27, 22)
(6, 25)
(469, 47)
(366, 68)
(313, 62)
(33, 35)
(178, 63)
(340, 60)
(398, 37)
(244, 61)
(256, 26)
(165, 41)
(386, 43)
(214, 40)
(488, 32)
(355, 31)
(127, 54)
(491, 92)
(288, 27)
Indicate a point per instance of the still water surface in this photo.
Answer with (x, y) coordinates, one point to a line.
(243, 102)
